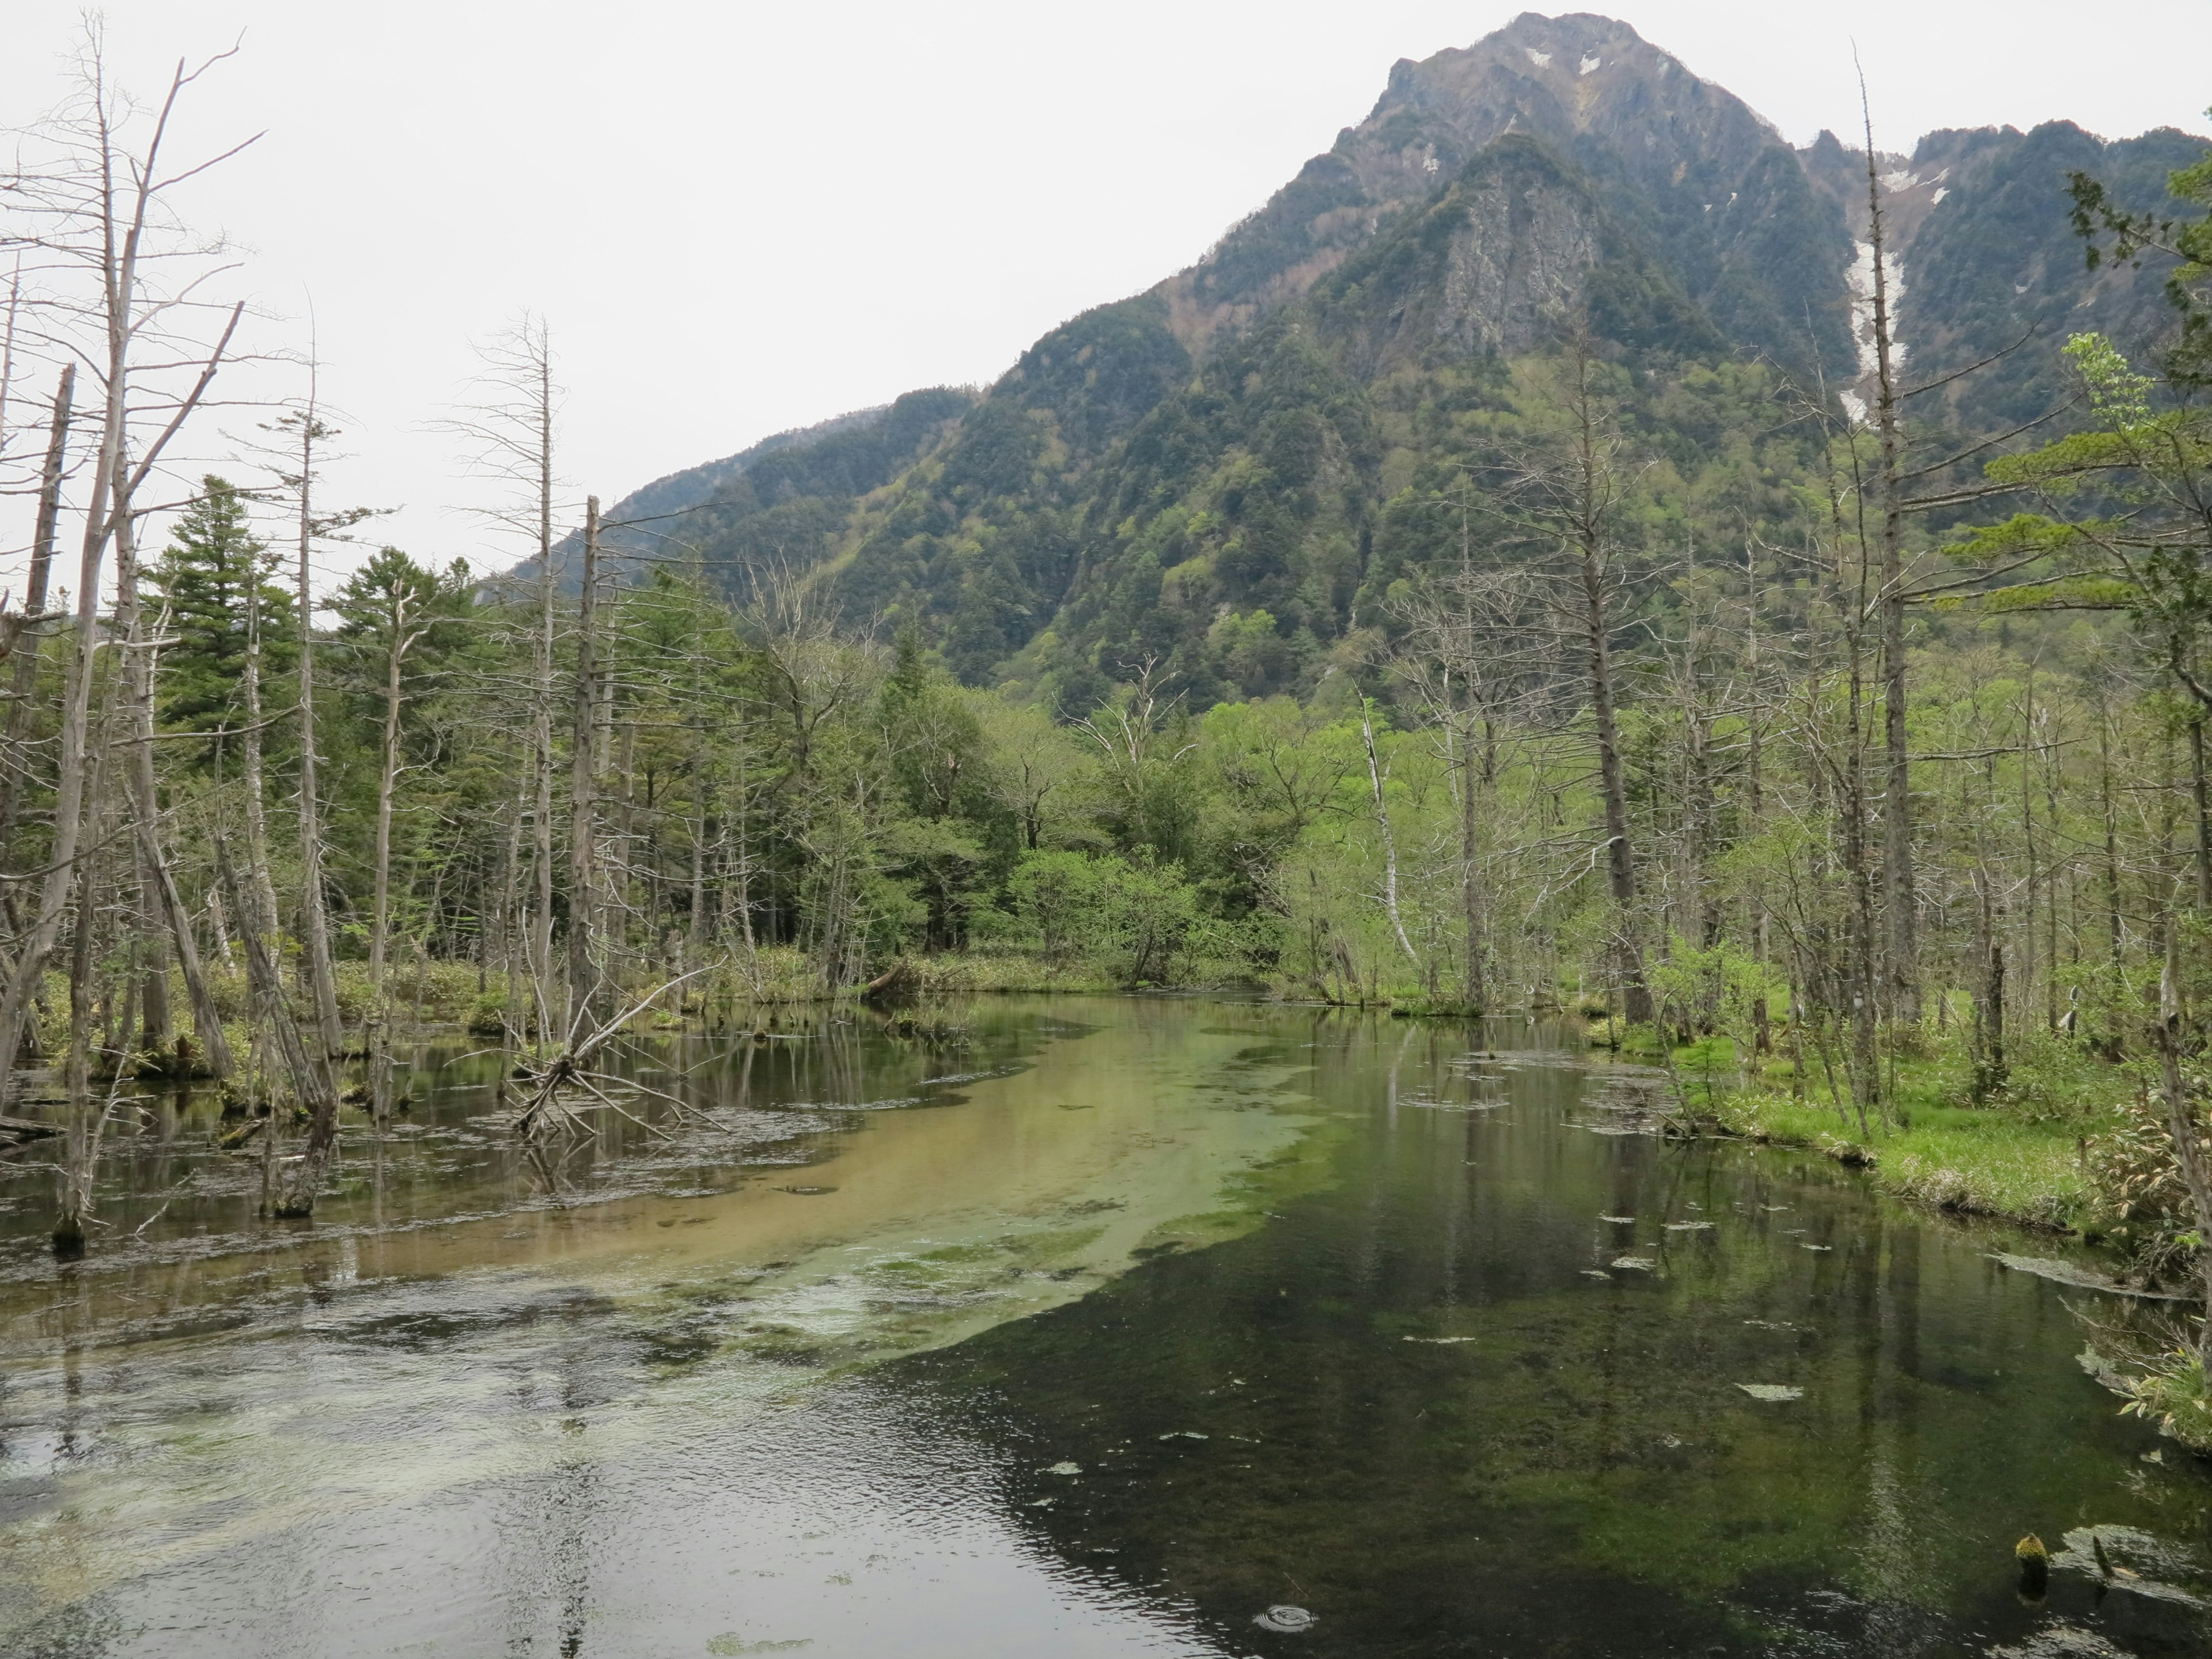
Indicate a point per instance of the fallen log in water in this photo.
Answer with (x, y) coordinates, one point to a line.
(22, 1131)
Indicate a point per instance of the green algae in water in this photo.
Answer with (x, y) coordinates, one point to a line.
(1239, 1336)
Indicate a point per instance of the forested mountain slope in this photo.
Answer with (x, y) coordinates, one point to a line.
(1217, 478)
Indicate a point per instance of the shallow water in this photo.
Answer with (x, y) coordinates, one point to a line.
(1104, 1334)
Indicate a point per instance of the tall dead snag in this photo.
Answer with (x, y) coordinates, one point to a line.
(28, 644)
(157, 878)
(94, 206)
(391, 609)
(510, 437)
(583, 976)
(311, 1082)
(1582, 492)
(305, 428)
(1899, 900)
(80, 1161)
(1389, 842)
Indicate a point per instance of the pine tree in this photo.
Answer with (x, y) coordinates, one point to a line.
(212, 562)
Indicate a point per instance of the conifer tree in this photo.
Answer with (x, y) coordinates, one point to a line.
(212, 558)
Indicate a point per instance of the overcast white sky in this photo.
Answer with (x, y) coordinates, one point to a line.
(743, 217)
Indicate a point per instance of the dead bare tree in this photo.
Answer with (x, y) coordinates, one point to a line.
(25, 647)
(583, 770)
(101, 220)
(303, 433)
(1566, 492)
(509, 433)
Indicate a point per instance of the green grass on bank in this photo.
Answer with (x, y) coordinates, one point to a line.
(1983, 1160)
(2023, 1152)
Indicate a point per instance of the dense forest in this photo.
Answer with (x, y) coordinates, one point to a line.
(1428, 639)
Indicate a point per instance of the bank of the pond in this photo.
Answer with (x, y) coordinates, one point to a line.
(1977, 1161)
(2024, 1151)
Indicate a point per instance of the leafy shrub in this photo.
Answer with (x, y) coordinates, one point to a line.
(1139, 922)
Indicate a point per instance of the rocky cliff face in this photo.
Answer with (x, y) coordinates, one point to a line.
(1495, 264)
(1710, 188)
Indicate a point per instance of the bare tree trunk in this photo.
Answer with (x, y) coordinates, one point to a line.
(81, 1148)
(314, 926)
(124, 194)
(2201, 794)
(1865, 1067)
(541, 936)
(213, 1057)
(1762, 1037)
(61, 875)
(311, 1081)
(216, 921)
(1591, 488)
(1899, 897)
(386, 780)
(744, 864)
(1390, 843)
(515, 1021)
(29, 646)
(263, 915)
(1473, 987)
(583, 982)
(378, 1026)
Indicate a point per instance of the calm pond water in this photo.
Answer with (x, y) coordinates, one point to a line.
(1127, 1327)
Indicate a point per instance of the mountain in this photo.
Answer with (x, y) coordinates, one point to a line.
(659, 521)
(1983, 252)
(1219, 480)
(1708, 186)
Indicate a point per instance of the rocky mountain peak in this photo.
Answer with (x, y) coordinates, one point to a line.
(1692, 171)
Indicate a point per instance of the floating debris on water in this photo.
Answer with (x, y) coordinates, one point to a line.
(1284, 1617)
(1620, 1220)
(1816, 1246)
(1689, 1226)
(1065, 1468)
(1595, 1272)
(2085, 1278)
(1440, 1342)
(1634, 1262)
(1182, 1434)
(807, 1192)
(1770, 1391)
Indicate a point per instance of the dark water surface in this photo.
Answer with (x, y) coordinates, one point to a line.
(1103, 1333)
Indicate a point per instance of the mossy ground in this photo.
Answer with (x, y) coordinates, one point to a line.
(2020, 1153)
(1983, 1160)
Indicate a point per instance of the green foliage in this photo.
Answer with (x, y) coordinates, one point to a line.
(213, 576)
(1707, 991)
(2185, 244)
(2178, 1395)
(1141, 922)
